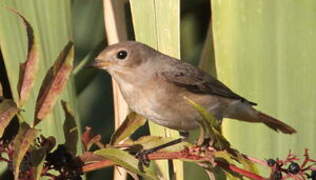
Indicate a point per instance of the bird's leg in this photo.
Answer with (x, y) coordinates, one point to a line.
(207, 135)
(142, 156)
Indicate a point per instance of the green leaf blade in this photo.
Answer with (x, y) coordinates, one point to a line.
(126, 160)
(132, 122)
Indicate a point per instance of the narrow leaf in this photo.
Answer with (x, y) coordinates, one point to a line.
(124, 159)
(88, 139)
(21, 144)
(247, 164)
(211, 126)
(29, 69)
(38, 156)
(132, 122)
(38, 168)
(7, 111)
(227, 158)
(1, 90)
(54, 83)
(71, 130)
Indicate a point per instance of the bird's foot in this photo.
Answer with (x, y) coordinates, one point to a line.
(205, 142)
(142, 157)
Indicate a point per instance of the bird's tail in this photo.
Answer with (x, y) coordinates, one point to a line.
(275, 124)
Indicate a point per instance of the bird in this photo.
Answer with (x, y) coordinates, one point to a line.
(155, 86)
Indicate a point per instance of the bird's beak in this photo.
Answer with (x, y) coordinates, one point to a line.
(100, 64)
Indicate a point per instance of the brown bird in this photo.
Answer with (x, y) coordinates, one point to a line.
(154, 85)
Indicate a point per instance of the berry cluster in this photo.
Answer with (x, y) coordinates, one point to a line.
(290, 167)
(61, 160)
(64, 162)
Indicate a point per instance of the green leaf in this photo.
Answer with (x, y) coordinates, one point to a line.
(52, 24)
(162, 32)
(124, 159)
(54, 83)
(37, 167)
(247, 164)
(8, 110)
(29, 68)
(265, 51)
(38, 155)
(207, 59)
(210, 126)
(228, 158)
(21, 144)
(132, 122)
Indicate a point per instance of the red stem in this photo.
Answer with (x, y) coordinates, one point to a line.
(184, 154)
(97, 165)
(240, 171)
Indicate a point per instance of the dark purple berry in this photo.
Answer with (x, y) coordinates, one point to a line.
(313, 175)
(277, 175)
(294, 168)
(271, 162)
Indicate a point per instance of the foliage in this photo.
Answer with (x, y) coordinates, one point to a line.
(32, 155)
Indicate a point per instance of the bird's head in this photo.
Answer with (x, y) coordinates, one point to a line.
(124, 56)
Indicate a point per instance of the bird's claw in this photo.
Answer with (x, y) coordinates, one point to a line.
(142, 157)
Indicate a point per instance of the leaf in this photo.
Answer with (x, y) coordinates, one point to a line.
(21, 144)
(38, 155)
(268, 55)
(88, 139)
(124, 159)
(132, 122)
(227, 158)
(89, 157)
(71, 131)
(210, 126)
(162, 32)
(29, 69)
(54, 83)
(1, 90)
(247, 164)
(207, 59)
(38, 168)
(8, 110)
(249, 169)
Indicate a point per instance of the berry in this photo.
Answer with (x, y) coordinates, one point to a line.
(59, 158)
(277, 175)
(271, 162)
(294, 168)
(313, 175)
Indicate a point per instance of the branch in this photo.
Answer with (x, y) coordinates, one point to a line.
(186, 154)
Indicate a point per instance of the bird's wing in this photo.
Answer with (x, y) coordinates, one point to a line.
(197, 81)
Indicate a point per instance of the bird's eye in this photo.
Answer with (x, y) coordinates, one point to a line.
(121, 54)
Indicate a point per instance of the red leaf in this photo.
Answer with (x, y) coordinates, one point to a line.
(29, 68)
(54, 83)
(88, 139)
(1, 90)
(8, 109)
(21, 144)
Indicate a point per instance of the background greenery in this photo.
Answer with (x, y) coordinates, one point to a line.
(264, 51)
